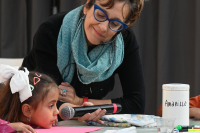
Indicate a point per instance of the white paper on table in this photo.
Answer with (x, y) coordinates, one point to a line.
(135, 119)
(125, 130)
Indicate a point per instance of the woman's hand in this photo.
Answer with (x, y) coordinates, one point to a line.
(95, 116)
(70, 96)
(21, 127)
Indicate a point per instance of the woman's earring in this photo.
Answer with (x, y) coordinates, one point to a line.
(28, 119)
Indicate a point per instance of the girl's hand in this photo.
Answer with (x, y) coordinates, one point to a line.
(95, 116)
(70, 96)
(21, 127)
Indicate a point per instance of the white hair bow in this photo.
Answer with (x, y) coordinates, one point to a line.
(19, 80)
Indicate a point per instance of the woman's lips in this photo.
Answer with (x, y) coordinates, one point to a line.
(97, 32)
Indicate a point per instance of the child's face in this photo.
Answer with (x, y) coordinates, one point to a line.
(46, 112)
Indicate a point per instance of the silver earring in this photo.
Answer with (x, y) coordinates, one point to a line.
(28, 119)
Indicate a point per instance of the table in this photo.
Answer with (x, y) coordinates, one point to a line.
(76, 123)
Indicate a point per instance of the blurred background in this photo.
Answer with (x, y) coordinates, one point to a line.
(168, 32)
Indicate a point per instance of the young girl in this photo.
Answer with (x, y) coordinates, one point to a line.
(27, 100)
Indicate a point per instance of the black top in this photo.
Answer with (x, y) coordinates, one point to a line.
(43, 58)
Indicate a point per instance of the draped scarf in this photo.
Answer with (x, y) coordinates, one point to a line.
(95, 66)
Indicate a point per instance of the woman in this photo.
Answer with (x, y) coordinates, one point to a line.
(84, 49)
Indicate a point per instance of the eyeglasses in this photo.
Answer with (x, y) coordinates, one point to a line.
(101, 16)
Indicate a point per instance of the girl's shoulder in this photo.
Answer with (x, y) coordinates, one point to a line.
(2, 122)
(5, 128)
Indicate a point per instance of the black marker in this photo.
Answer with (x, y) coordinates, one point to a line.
(184, 127)
(183, 130)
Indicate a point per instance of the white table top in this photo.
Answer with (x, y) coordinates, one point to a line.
(76, 123)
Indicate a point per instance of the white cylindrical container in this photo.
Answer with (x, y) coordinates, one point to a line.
(175, 103)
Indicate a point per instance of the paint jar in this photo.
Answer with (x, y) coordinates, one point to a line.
(175, 103)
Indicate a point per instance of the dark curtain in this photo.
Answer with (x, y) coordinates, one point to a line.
(168, 33)
(19, 20)
(13, 28)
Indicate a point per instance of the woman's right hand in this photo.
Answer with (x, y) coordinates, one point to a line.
(21, 127)
(95, 116)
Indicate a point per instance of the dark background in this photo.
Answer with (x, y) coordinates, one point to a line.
(168, 33)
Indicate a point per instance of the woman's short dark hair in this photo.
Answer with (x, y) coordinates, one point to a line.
(135, 7)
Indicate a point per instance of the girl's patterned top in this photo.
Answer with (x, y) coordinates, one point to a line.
(5, 128)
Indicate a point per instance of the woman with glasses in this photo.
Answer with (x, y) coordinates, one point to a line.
(84, 49)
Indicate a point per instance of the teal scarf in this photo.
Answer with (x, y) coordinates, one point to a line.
(98, 65)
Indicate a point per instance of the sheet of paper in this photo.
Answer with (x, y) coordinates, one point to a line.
(125, 130)
(68, 129)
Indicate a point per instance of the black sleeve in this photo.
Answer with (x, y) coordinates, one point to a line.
(46, 53)
(43, 56)
(131, 77)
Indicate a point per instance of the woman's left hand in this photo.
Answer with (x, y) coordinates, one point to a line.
(95, 116)
(70, 94)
